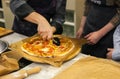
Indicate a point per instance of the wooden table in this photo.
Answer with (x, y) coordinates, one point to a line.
(47, 71)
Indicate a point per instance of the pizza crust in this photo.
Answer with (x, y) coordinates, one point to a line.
(26, 51)
(68, 48)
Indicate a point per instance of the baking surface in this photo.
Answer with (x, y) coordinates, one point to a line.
(72, 54)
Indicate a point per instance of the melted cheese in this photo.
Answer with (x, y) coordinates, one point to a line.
(45, 49)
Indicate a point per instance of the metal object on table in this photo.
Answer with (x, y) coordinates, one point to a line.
(3, 46)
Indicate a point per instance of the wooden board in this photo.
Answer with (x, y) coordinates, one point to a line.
(78, 44)
(4, 31)
(91, 68)
(52, 61)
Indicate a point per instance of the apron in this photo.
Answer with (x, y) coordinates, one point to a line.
(46, 8)
(99, 15)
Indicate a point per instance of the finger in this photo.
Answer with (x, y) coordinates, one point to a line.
(108, 53)
(78, 36)
(44, 37)
(41, 34)
(89, 40)
(88, 35)
(90, 43)
(50, 36)
(108, 56)
(109, 49)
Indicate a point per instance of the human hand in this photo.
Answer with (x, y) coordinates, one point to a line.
(109, 54)
(44, 28)
(79, 33)
(93, 37)
(46, 31)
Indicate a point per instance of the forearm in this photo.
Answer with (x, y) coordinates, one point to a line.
(103, 31)
(36, 18)
(82, 23)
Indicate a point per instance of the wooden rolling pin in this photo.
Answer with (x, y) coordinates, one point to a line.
(21, 74)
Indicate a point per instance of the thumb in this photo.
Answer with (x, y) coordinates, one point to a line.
(109, 49)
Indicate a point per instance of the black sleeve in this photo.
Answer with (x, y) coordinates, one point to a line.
(59, 17)
(23, 11)
(20, 8)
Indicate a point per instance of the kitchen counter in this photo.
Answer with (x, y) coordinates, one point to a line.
(47, 71)
(13, 37)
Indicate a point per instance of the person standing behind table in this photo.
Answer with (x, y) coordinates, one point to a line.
(43, 16)
(114, 53)
(97, 26)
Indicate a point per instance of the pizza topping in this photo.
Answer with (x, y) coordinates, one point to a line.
(38, 47)
(45, 49)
